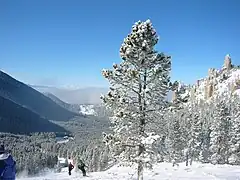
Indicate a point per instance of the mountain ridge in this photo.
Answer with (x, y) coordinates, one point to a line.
(71, 107)
(17, 119)
(88, 95)
(26, 96)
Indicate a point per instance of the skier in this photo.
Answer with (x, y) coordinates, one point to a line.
(82, 166)
(70, 168)
(7, 165)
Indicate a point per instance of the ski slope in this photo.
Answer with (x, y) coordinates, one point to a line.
(161, 171)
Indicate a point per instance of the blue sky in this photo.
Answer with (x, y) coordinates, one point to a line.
(59, 43)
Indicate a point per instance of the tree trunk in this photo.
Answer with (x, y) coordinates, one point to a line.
(187, 160)
(140, 170)
(142, 109)
(191, 160)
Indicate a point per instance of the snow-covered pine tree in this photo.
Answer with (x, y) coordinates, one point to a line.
(176, 142)
(139, 85)
(104, 159)
(95, 159)
(195, 137)
(185, 120)
(205, 144)
(177, 116)
(206, 111)
(235, 132)
(220, 133)
(180, 94)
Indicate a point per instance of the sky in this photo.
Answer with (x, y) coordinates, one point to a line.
(68, 42)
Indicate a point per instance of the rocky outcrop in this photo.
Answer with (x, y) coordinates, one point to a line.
(227, 63)
(226, 79)
(174, 96)
(207, 87)
(180, 92)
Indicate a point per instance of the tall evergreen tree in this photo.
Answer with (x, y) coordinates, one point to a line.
(176, 142)
(195, 137)
(235, 132)
(220, 133)
(206, 112)
(139, 85)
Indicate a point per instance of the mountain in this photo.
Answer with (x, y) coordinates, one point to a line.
(90, 95)
(17, 119)
(71, 107)
(86, 109)
(25, 96)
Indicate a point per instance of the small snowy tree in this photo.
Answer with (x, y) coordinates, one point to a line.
(139, 85)
(220, 133)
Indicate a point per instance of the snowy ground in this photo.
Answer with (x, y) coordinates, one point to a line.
(161, 171)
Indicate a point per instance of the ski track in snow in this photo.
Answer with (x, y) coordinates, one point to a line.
(163, 171)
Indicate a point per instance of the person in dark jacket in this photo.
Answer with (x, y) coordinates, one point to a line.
(7, 165)
(82, 166)
(70, 168)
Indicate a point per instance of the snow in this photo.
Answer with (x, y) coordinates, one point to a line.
(61, 160)
(237, 92)
(150, 139)
(200, 89)
(185, 94)
(160, 171)
(228, 56)
(70, 161)
(63, 141)
(87, 109)
(4, 156)
(222, 86)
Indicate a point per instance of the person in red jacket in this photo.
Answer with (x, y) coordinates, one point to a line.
(70, 168)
